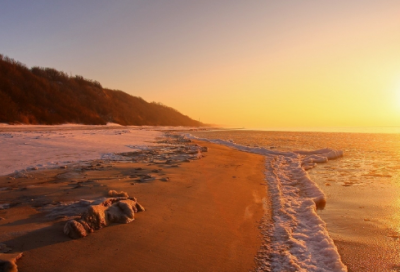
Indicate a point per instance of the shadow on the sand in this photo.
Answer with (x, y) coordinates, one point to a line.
(39, 238)
(43, 237)
(33, 218)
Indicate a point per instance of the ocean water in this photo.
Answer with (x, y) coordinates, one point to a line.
(361, 189)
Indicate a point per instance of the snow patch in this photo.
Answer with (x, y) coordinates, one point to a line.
(41, 147)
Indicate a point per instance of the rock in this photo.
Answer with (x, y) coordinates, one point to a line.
(95, 217)
(113, 210)
(139, 207)
(8, 262)
(122, 212)
(114, 193)
(77, 229)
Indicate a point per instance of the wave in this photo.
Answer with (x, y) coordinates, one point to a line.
(299, 237)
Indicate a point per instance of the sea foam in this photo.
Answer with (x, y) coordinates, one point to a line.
(299, 238)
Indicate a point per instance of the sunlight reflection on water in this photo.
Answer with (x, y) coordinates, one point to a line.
(362, 188)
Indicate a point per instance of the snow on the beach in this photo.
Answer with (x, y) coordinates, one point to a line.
(300, 240)
(38, 147)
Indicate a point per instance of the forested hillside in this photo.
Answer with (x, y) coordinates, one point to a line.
(47, 96)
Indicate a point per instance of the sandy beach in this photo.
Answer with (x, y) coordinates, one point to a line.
(202, 215)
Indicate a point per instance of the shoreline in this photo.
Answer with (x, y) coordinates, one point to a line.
(206, 217)
(362, 221)
(300, 239)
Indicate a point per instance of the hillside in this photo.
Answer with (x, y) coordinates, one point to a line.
(47, 96)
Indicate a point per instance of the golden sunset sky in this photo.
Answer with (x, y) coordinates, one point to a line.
(254, 64)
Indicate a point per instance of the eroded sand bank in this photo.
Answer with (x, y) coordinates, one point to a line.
(203, 216)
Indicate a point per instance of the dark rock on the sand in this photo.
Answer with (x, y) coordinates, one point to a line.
(165, 179)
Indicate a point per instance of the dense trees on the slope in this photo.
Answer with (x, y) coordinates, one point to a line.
(47, 96)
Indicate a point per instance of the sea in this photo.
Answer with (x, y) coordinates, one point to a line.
(361, 188)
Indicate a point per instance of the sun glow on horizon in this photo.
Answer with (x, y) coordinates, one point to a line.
(253, 64)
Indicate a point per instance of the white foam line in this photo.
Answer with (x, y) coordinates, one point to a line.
(300, 240)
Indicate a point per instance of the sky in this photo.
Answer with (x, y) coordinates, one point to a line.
(253, 64)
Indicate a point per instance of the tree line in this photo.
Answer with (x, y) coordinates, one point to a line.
(40, 95)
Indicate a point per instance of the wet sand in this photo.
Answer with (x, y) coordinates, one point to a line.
(205, 217)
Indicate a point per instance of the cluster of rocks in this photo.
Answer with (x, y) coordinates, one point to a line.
(113, 210)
